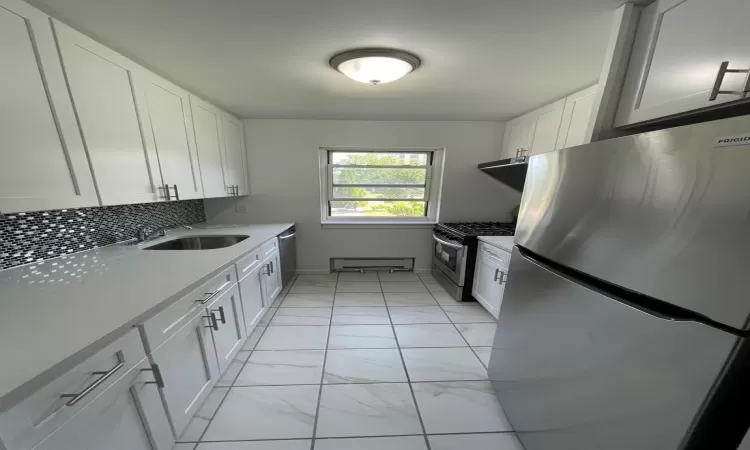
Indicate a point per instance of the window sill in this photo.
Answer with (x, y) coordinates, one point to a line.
(377, 224)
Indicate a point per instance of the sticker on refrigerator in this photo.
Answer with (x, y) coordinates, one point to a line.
(730, 141)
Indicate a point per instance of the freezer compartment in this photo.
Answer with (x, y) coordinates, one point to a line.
(577, 370)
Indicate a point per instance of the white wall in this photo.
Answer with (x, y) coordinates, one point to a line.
(283, 159)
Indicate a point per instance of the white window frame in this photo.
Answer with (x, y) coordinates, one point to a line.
(433, 187)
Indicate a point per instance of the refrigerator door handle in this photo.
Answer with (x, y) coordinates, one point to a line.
(644, 303)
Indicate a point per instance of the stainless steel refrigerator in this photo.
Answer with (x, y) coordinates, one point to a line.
(625, 316)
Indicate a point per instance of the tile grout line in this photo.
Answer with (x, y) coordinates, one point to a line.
(323, 369)
(336, 438)
(229, 388)
(406, 371)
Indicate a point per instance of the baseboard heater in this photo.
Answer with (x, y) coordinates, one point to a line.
(371, 264)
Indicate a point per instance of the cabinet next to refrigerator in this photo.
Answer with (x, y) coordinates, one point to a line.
(625, 318)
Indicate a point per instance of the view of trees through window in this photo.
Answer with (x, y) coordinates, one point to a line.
(379, 184)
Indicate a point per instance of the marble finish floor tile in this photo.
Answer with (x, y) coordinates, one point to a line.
(478, 334)
(446, 299)
(367, 410)
(184, 446)
(265, 412)
(294, 338)
(356, 276)
(267, 316)
(427, 278)
(428, 335)
(364, 366)
(302, 316)
(307, 301)
(403, 286)
(399, 276)
(460, 407)
(203, 416)
(374, 443)
(313, 287)
(418, 314)
(361, 336)
(482, 441)
(318, 277)
(358, 286)
(234, 368)
(359, 299)
(282, 367)
(356, 315)
(468, 314)
(483, 353)
(436, 288)
(410, 299)
(443, 364)
(291, 444)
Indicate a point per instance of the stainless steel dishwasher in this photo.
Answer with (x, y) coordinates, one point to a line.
(288, 251)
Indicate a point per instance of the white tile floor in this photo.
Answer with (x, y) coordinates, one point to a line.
(364, 362)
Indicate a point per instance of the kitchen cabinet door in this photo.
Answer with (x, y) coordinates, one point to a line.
(678, 49)
(251, 293)
(519, 133)
(101, 86)
(168, 122)
(190, 369)
(271, 278)
(128, 415)
(229, 333)
(548, 120)
(209, 142)
(576, 117)
(490, 277)
(43, 163)
(235, 168)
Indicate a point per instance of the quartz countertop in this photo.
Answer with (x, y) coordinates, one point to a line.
(503, 242)
(55, 313)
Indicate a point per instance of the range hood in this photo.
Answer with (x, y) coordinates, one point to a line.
(511, 171)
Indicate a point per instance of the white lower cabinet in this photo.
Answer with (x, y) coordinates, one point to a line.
(189, 367)
(272, 277)
(228, 328)
(490, 277)
(251, 292)
(127, 416)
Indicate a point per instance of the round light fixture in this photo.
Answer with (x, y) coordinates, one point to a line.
(375, 65)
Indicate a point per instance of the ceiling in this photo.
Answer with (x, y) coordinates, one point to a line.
(482, 59)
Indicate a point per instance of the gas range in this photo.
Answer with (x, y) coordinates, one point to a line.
(455, 250)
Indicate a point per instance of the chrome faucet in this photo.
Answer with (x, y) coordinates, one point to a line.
(143, 234)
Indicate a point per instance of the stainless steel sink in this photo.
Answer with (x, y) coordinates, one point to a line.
(197, 243)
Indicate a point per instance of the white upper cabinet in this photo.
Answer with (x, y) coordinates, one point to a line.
(43, 162)
(168, 122)
(209, 141)
(235, 170)
(101, 85)
(547, 127)
(576, 117)
(677, 54)
(518, 136)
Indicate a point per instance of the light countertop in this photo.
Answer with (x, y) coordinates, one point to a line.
(503, 242)
(55, 313)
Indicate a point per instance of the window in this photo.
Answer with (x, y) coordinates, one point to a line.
(380, 186)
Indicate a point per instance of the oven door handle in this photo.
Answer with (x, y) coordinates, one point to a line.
(449, 244)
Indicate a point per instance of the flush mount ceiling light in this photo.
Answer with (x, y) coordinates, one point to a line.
(375, 65)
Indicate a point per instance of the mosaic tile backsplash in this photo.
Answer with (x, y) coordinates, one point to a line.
(37, 236)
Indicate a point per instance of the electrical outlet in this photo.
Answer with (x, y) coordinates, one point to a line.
(241, 208)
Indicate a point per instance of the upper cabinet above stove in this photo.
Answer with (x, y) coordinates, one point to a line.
(86, 126)
(676, 62)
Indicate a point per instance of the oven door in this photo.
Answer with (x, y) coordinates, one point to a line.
(450, 258)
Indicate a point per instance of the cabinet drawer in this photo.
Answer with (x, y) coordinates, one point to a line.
(269, 247)
(502, 257)
(26, 424)
(159, 328)
(248, 263)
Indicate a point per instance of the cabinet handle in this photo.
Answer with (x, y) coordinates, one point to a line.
(212, 322)
(213, 294)
(176, 193)
(723, 70)
(159, 379)
(271, 264)
(518, 152)
(222, 317)
(268, 269)
(75, 398)
(497, 271)
(167, 192)
(502, 277)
